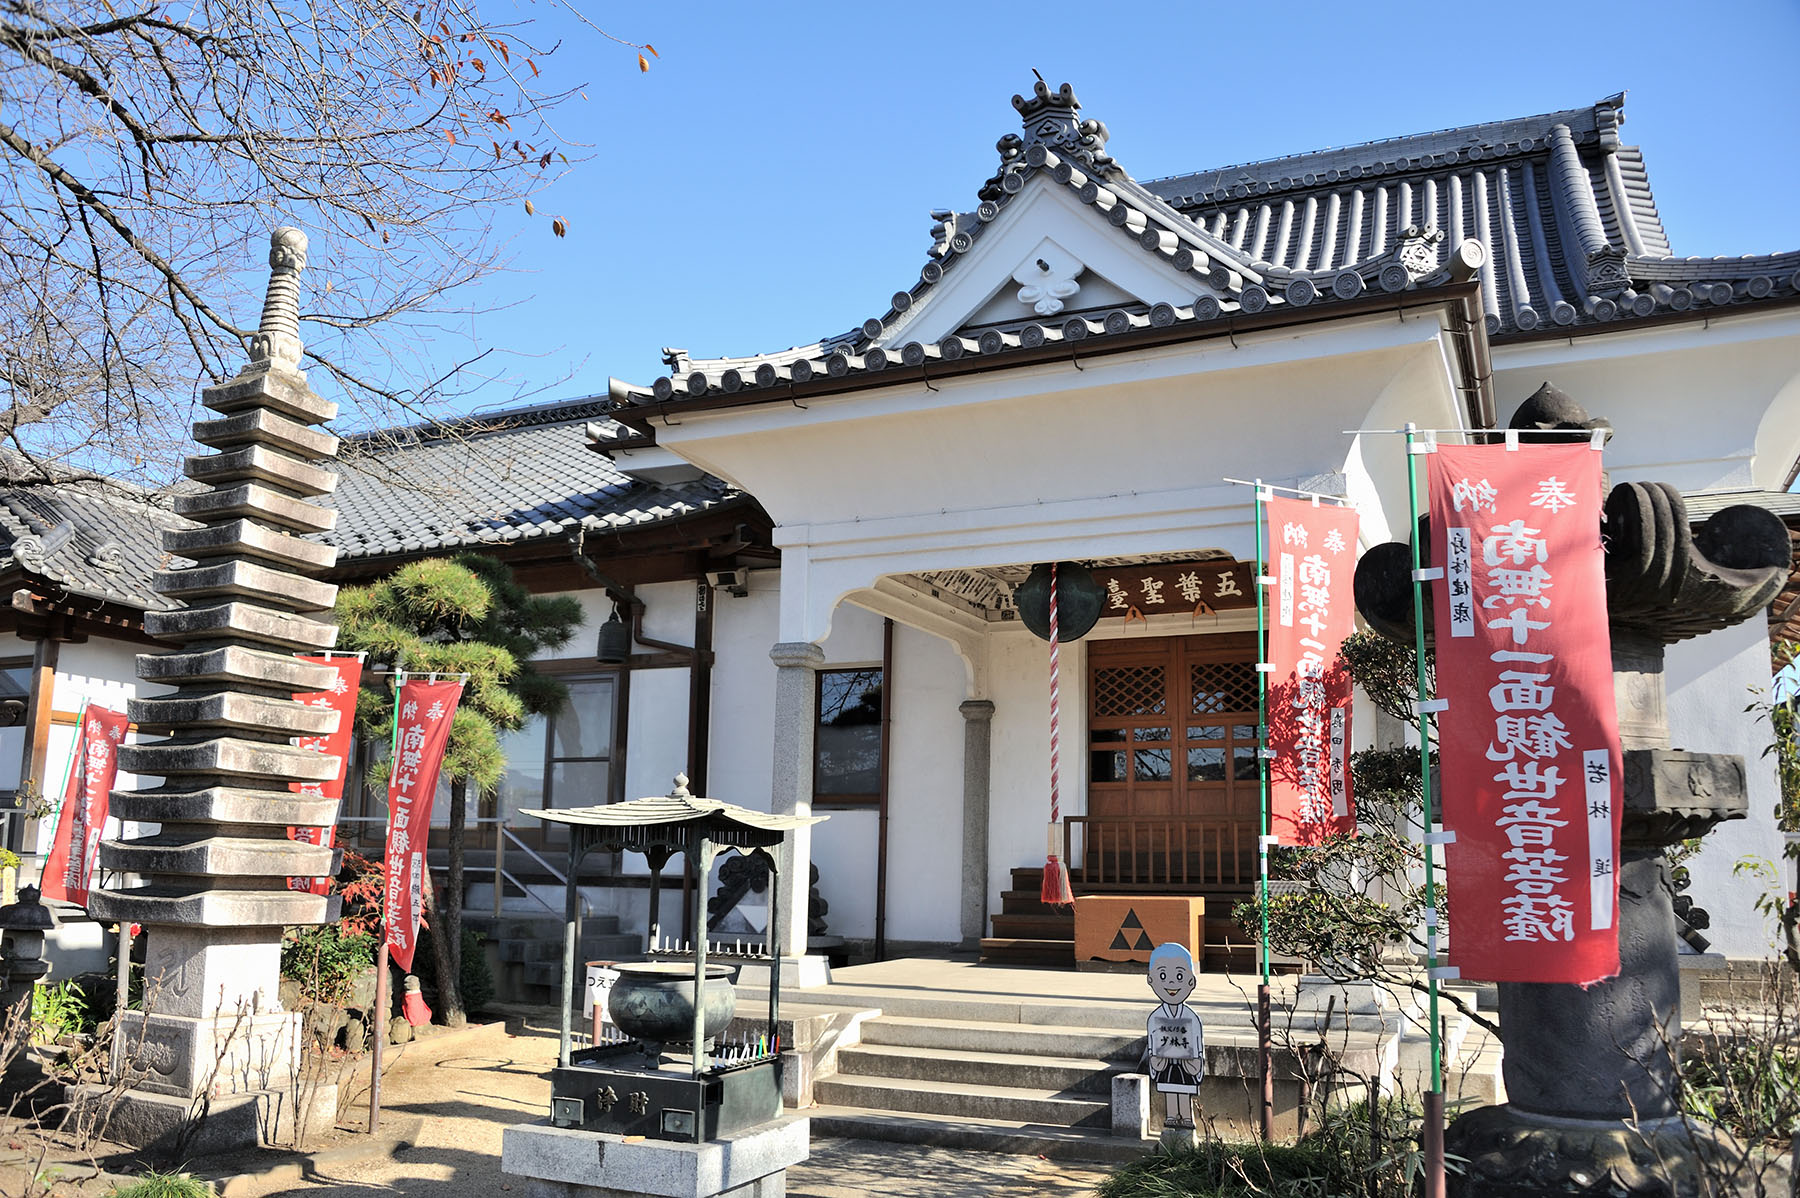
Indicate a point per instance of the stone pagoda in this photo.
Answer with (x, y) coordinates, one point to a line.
(212, 890)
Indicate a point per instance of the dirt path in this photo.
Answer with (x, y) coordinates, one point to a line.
(467, 1099)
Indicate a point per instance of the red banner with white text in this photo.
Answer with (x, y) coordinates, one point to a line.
(426, 709)
(341, 698)
(1312, 557)
(69, 872)
(1529, 743)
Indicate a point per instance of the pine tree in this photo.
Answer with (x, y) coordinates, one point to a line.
(461, 615)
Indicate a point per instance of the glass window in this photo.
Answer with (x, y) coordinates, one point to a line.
(847, 744)
(522, 786)
(1152, 765)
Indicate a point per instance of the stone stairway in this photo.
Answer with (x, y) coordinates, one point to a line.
(530, 950)
(997, 1086)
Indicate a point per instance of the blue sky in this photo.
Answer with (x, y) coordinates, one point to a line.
(769, 180)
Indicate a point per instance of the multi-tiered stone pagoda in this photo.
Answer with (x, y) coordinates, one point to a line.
(213, 894)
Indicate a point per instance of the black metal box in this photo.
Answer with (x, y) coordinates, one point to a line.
(612, 1088)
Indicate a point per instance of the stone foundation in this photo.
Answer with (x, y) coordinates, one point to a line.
(557, 1162)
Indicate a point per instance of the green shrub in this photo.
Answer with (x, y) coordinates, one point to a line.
(1219, 1170)
(1747, 1084)
(1345, 1156)
(326, 960)
(476, 979)
(164, 1185)
(60, 1009)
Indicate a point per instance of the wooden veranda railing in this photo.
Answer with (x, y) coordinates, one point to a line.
(1159, 852)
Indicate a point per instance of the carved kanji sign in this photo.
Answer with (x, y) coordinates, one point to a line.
(1154, 588)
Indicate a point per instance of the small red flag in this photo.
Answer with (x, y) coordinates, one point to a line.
(69, 872)
(1312, 556)
(423, 732)
(340, 696)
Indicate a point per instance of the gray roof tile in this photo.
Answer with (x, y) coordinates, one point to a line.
(88, 541)
(502, 477)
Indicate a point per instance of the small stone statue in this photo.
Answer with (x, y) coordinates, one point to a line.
(1176, 1039)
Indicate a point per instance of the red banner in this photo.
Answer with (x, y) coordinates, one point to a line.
(341, 698)
(426, 709)
(1529, 742)
(1312, 557)
(69, 872)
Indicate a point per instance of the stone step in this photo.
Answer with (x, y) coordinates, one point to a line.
(614, 947)
(231, 709)
(1047, 926)
(258, 502)
(979, 1135)
(238, 665)
(1086, 1076)
(231, 805)
(260, 463)
(242, 621)
(276, 388)
(243, 579)
(239, 538)
(214, 908)
(547, 928)
(230, 757)
(1016, 1038)
(1009, 950)
(174, 854)
(260, 426)
(966, 1101)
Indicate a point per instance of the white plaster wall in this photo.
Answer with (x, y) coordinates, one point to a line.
(1711, 679)
(740, 761)
(1019, 778)
(1704, 405)
(925, 768)
(925, 790)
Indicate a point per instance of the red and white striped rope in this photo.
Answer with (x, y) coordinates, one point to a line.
(1055, 704)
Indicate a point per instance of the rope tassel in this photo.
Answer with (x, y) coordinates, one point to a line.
(1055, 890)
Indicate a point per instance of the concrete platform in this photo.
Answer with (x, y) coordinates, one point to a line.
(572, 1163)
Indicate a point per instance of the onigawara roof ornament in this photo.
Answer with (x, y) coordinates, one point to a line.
(1053, 119)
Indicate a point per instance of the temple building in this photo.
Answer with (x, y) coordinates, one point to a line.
(816, 550)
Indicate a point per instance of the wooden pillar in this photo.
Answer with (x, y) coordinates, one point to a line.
(35, 757)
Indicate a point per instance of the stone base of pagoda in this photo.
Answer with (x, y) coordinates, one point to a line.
(1512, 1153)
(167, 1125)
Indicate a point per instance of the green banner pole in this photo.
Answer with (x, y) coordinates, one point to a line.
(1264, 1030)
(1434, 1100)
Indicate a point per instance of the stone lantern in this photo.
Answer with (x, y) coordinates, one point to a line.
(1592, 1072)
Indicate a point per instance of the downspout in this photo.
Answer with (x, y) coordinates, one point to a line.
(881, 795)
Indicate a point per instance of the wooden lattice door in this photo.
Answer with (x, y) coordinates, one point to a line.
(1172, 739)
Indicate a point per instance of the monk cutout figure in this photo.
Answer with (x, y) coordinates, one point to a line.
(1176, 1045)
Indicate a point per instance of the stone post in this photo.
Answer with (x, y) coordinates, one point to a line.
(978, 731)
(215, 894)
(791, 793)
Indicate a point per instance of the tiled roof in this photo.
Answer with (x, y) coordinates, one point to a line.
(88, 541)
(495, 479)
(1552, 212)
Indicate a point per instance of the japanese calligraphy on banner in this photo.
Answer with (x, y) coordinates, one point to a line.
(69, 872)
(1312, 556)
(341, 698)
(426, 709)
(1529, 743)
(1158, 587)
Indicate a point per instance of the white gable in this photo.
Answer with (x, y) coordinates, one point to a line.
(1046, 222)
